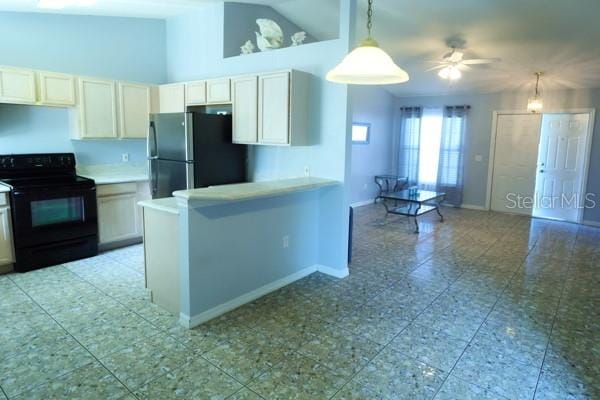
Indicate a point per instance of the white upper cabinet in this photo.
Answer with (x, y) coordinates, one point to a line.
(97, 109)
(195, 93)
(218, 91)
(56, 89)
(134, 110)
(245, 109)
(17, 86)
(172, 98)
(274, 108)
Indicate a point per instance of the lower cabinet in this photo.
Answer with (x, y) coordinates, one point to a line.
(6, 243)
(119, 217)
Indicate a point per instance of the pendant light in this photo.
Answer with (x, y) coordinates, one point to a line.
(368, 64)
(535, 103)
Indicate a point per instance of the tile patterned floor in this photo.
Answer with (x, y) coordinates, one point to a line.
(483, 306)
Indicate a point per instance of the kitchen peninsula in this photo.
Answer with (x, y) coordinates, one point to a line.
(211, 250)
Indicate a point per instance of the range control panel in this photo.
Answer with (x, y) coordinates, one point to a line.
(25, 162)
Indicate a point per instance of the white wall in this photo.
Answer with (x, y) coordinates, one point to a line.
(375, 106)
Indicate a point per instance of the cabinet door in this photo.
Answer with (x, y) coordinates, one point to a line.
(134, 110)
(56, 89)
(274, 108)
(245, 109)
(195, 93)
(17, 86)
(117, 218)
(6, 245)
(172, 98)
(218, 91)
(98, 109)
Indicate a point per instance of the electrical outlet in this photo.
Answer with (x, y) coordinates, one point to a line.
(125, 157)
(306, 170)
(479, 158)
(286, 241)
(365, 187)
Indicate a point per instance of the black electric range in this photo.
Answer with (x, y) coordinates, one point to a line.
(54, 212)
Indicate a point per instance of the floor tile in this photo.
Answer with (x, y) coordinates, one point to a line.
(298, 377)
(245, 394)
(457, 389)
(27, 370)
(147, 359)
(90, 382)
(245, 360)
(197, 379)
(392, 375)
(497, 373)
(376, 323)
(429, 346)
(566, 387)
(340, 350)
(354, 391)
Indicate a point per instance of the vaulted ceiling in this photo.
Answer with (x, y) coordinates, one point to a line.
(560, 38)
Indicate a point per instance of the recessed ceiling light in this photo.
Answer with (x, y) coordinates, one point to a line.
(61, 4)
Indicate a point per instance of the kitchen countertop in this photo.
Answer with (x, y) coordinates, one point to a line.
(168, 204)
(246, 191)
(114, 173)
(4, 188)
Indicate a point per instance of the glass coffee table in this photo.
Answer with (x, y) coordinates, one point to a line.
(414, 205)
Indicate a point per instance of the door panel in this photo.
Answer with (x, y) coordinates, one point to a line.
(274, 108)
(169, 176)
(561, 166)
(245, 109)
(169, 131)
(515, 159)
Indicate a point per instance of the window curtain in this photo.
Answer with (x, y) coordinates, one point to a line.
(451, 161)
(409, 143)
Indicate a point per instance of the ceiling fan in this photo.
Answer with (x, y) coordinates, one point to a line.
(453, 63)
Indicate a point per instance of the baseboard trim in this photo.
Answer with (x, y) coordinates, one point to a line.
(195, 320)
(591, 223)
(362, 203)
(473, 207)
(335, 272)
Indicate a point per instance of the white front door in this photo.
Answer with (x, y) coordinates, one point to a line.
(515, 161)
(561, 163)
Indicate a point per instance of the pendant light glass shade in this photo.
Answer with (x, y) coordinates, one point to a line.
(368, 64)
(536, 104)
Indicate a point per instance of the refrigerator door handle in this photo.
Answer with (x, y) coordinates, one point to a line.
(189, 175)
(152, 143)
(189, 136)
(153, 167)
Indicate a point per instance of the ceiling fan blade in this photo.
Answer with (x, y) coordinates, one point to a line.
(456, 56)
(435, 68)
(481, 61)
(463, 67)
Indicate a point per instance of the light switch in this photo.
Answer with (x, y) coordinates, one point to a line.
(478, 158)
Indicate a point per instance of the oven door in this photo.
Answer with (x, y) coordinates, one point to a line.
(51, 215)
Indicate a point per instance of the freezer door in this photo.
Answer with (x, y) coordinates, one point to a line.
(169, 139)
(168, 176)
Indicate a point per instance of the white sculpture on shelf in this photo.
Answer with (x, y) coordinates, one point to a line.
(248, 47)
(298, 38)
(270, 36)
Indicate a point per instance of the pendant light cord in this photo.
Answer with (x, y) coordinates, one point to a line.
(370, 18)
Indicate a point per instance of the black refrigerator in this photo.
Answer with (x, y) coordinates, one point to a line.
(193, 150)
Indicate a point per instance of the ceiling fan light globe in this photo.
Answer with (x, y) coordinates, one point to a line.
(450, 72)
(368, 64)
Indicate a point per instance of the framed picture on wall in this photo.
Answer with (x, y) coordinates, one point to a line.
(361, 133)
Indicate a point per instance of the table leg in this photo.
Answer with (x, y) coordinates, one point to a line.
(417, 222)
(437, 210)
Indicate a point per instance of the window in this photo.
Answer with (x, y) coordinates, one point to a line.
(429, 149)
(360, 133)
